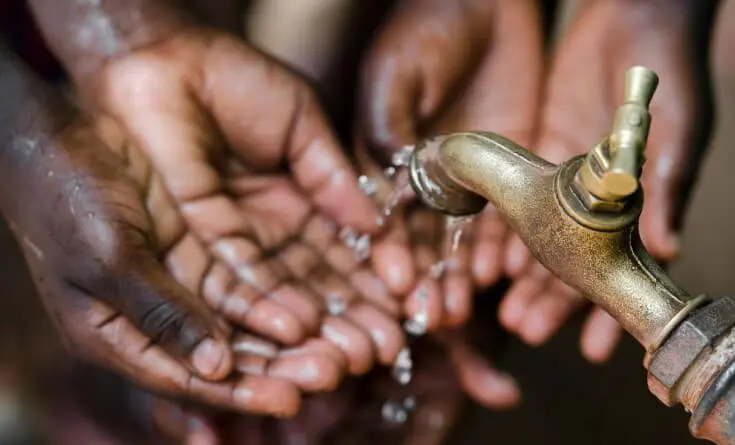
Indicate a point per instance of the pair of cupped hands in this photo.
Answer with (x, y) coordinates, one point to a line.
(185, 232)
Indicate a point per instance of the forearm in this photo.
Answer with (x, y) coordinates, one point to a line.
(26, 100)
(31, 115)
(86, 33)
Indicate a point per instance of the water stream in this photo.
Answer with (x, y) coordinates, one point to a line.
(393, 411)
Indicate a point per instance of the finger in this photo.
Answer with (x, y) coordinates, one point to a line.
(246, 288)
(142, 291)
(600, 335)
(386, 333)
(372, 289)
(352, 341)
(425, 307)
(119, 344)
(548, 313)
(389, 90)
(670, 152)
(489, 236)
(269, 116)
(320, 346)
(517, 256)
(524, 292)
(306, 367)
(392, 257)
(484, 383)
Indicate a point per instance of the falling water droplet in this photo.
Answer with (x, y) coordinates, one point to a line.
(437, 270)
(402, 157)
(367, 185)
(403, 367)
(348, 237)
(418, 325)
(363, 248)
(410, 403)
(336, 305)
(402, 192)
(394, 413)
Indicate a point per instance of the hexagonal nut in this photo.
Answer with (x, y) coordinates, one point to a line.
(685, 344)
(592, 202)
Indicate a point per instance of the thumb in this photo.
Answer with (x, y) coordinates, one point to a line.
(672, 155)
(478, 377)
(388, 100)
(141, 290)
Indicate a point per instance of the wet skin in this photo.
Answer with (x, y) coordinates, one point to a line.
(582, 93)
(238, 201)
(262, 188)
(351, 414)
(434, 69)
(438, 67)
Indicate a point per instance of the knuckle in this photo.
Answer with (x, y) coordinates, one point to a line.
(166, 323)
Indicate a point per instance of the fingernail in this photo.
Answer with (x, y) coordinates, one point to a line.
(208, 357)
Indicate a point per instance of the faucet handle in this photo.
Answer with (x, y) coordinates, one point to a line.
(640, 85)
(612, 170)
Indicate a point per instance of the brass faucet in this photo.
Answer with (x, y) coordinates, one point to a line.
(580, 220)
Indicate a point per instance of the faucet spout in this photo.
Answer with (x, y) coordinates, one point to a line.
(601, 255)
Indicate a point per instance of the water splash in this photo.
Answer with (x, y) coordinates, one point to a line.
(394, 413)
(336, 305)
(403, 367)
(361, 245)
(348, 236)
(402, 157)
(402, 193)
(418, 325)
(397, 413)
(363, 248)
(367, 185)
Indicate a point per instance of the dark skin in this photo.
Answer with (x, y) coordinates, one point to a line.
(80, 411)
(436, 70)
(107, 244)
(583, 91)
(254, 170)
(438, 67)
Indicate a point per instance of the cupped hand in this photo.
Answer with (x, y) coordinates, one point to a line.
(262, 187)
(584, 89)
(439, 67)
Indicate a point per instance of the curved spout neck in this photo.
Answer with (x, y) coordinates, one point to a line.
(606, 262)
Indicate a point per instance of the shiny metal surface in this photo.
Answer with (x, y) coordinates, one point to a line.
(610, 267)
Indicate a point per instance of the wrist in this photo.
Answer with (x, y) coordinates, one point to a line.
(26, 103)
(86, 35)
(32, 116)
